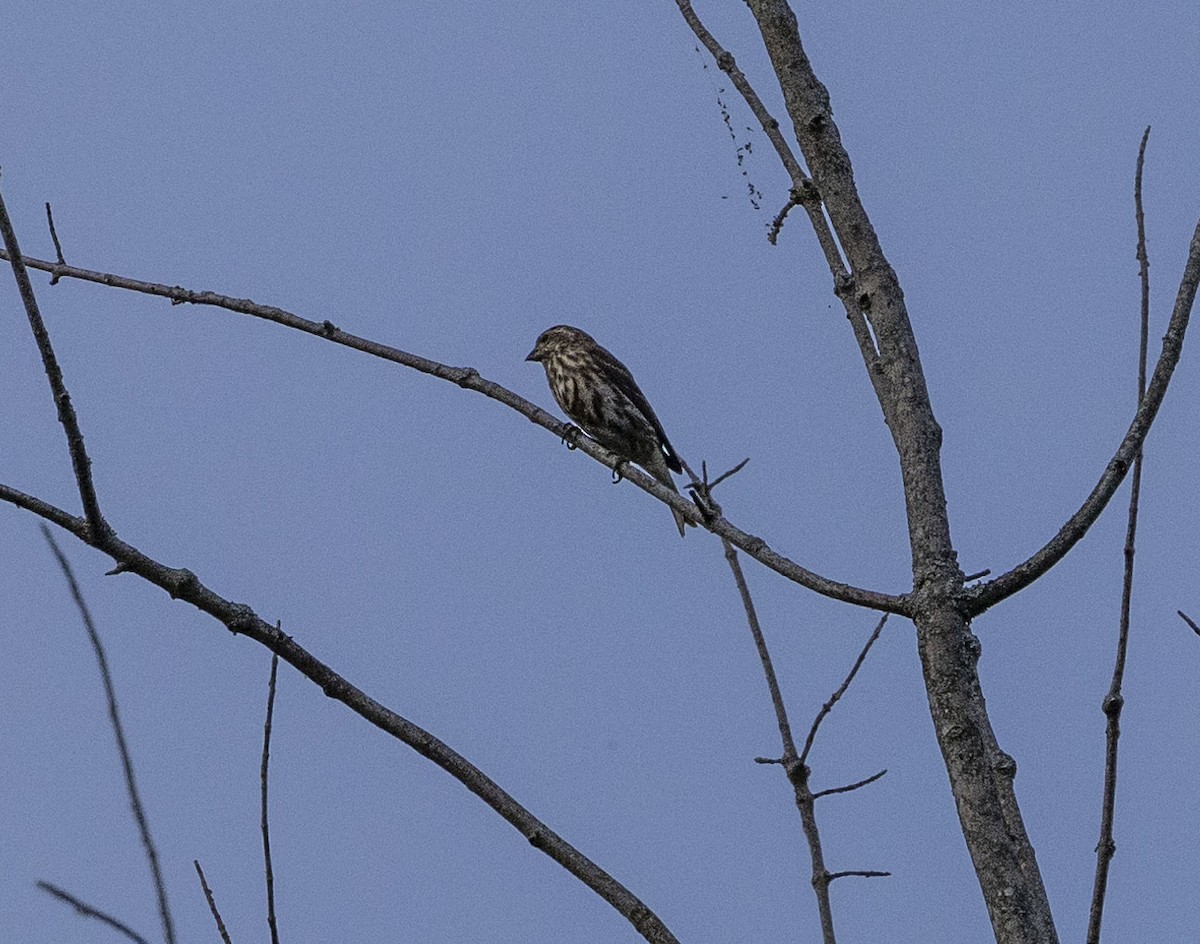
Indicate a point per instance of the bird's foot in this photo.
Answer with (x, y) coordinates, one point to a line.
(618, 471)
(570, 436)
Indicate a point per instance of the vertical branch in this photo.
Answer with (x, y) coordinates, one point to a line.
(794, 763)
(1114, 701)
(266, 831)
(110, 692)
(796, 772)
(62, 400)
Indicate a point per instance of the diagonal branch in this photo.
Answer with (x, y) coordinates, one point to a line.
(62, 400)
(803, 193)
(89, 912)
(857, 785)
(114, 715)
(240, 619)
(837, 696)
(989, 594)
(725, 62)
(212, 903)
(469, 379)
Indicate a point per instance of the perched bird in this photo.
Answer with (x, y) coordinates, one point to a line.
(600, 395)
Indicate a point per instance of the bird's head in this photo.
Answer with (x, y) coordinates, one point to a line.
(557, 340)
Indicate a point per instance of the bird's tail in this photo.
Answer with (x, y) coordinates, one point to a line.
(663, 474)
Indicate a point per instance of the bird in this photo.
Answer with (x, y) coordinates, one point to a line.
(600, 395)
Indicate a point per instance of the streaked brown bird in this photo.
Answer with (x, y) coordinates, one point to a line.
(600, 395)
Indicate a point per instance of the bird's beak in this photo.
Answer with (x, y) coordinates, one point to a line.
(533, 355)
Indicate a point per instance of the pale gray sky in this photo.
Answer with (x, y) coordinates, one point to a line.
(453, 183)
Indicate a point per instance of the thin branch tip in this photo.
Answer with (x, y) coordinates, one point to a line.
(123, 751)
(836, 697)
(85, 910)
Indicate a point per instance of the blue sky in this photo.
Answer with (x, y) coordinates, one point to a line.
(453, 185)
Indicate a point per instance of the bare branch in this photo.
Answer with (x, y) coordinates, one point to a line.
(866, 873)
(469, 379)
(212, 903)
(62, 400)
(849, 787)
(794, 198)
(803, 193)
(836, 697)
(989, 594)
(794, 764)
(57, 244)
(89, 912)
(725, 62)
(1192, 623)
(725, 475)
(764, 655)
(1114, 701)
(797, 772)
(114, 715)
(240, 619)
(266, 830)
(989, 816)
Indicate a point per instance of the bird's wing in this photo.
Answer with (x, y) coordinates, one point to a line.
(620, 377)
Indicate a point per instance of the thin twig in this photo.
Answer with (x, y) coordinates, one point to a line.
(266, 831)
(850, 786)
(1114, 701)
(860, 873)
(776, 226)
(836, 697)
(724, 475)
(89, 912)
(764, 655)
(62, 400)
(1191, 622)
(803, 191)
(469, 379)
(797, 773)
(114, 715)
(57, 244)
(240, 619)
(725, 62)
(212, 903)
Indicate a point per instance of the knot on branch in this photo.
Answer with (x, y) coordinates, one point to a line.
(1005, 765)
(702, 489)
(797, 772)
(1112, 704)
(973, 647)
(182, 583)
(328, 329)
(242, 620)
